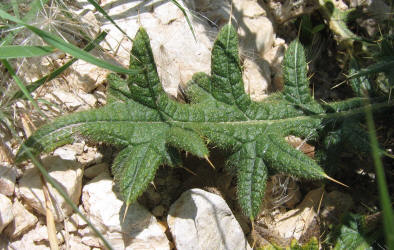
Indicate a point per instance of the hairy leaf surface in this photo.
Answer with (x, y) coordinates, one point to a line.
(353, 233)
(150, 129)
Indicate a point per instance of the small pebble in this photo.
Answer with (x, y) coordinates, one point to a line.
(158, 211)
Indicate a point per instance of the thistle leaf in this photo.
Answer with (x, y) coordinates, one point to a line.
(351, 233)
(252, 175)
(135, 167)
(118, 89)
(252, 179)
(187, 140)
(283, 158)
(227, 85)
(294, 71)
(149, 128)
(144, 84)
(360, 85)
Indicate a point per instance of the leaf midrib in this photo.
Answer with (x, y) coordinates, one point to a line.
(296, 74)
(250, 122)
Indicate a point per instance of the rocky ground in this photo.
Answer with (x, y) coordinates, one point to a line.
(194, 207)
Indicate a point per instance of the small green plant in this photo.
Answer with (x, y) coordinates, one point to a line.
(313, 244)
(356, 232)
(150, 128)
(384, 64)
(336, 19)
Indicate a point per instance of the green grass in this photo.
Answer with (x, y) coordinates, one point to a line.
(385, 202)
(16, 25)
(9, 51)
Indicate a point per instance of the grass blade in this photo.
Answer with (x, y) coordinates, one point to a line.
(387, 210)
(21, 86)
(381, 66)
(33, 86)
(59, 43)
(15, 8)
(49, 179)
(34, 7)
(102, 11)
(17, 51)
(61, 191)
(186, 16)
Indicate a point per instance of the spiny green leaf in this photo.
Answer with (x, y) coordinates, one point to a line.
(385, 64)
(351, 234)
(294, 71)
(227, 85)
(146, 125)
(135, 167)
(144, 84)
(283, 158)
(118, 89)
(187, 140)
(252, 178)
(360, 85)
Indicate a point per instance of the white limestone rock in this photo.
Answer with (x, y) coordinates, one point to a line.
(76, 101)
(72, 223)
(177, 53)
(254, 28)
(6, 154)
(68, 99)
(28, 241)
(178, 56)
(77, 219)
(75, 242)
(90, 156)
(39, 235)
(67, 173)
(23, 221)
(296, 222)
(88, 100)
(257, 31)
(274, 57)
(6, 215)
(202, 220)
(89, 239)
(96, 170)
(85, 75)
(7, 179)
(166, 14)
(26, 244)
(255, 83)
(139, 230)
(283, 11)
(65, 154)
(217, 12)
